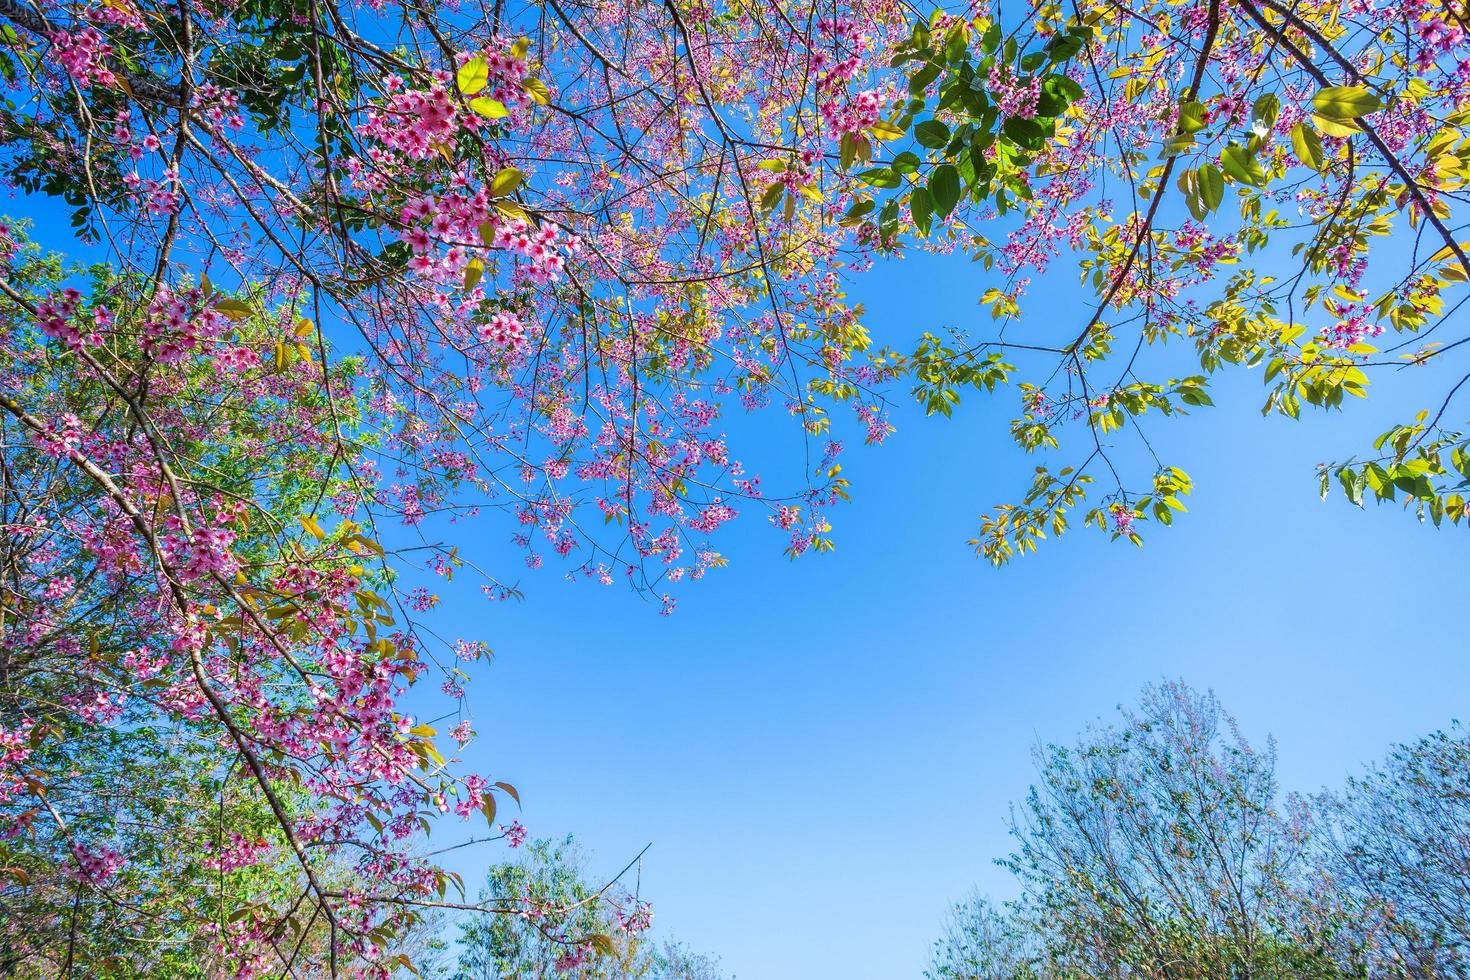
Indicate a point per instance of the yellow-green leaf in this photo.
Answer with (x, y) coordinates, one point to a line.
(1336, 127)
(489, 108)
(1211, 187)
(1307, 146)
(1447, 251)
(506, 181)
(508, 208)
(472, 273)
(1345, 102)
(885, 131)
(1242, 165)
(537, 90)
(472, 76)
(233, 308)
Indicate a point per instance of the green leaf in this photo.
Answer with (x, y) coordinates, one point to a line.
(905, 163)
(932, 134)
(922, 78)
(921, 205)
(879, 177)
(1191, 117)
(1264, 113)
(772, 196)
(1064, 47)
(1345, 102)
(1188, 184)
(1241, 165)
(944, 187)
(1308, 146)
(1211, 187)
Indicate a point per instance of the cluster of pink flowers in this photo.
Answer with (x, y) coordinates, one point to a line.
(159, 197)
(515, 834)
(59, 587)
(84, 53)
(635, 919)
(97, 865)
(1352, 329)
(204, 552)
(414, 123)
(1437, 36)
(15, 749)
(852, 115)
(56, 317)
(1123, 518)
(237, 852)
(504, 329)
(1014, 97)
(572, 958)
(178, 325)
(63, 440)
(221, 106)
(543, 246)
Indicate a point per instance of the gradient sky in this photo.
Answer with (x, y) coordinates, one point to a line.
(823, 753)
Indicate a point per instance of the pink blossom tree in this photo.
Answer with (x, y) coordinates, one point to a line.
(369, 271)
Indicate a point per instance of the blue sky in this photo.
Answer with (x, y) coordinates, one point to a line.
(823, 753)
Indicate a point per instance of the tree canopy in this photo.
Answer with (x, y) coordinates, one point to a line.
(1162, 847)
(346, 279)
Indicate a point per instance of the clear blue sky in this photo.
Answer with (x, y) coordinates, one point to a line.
(823, 753)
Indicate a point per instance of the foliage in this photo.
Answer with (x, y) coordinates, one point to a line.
(1159, 841)
(362, 273)
(1156, 848)
(1220, 173)
(1393, 842)
(571, 926)
(365, 272)
(155, 809)
(983, 941)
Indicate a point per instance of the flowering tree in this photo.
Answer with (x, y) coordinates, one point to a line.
(364, 272)
(1220, 173)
